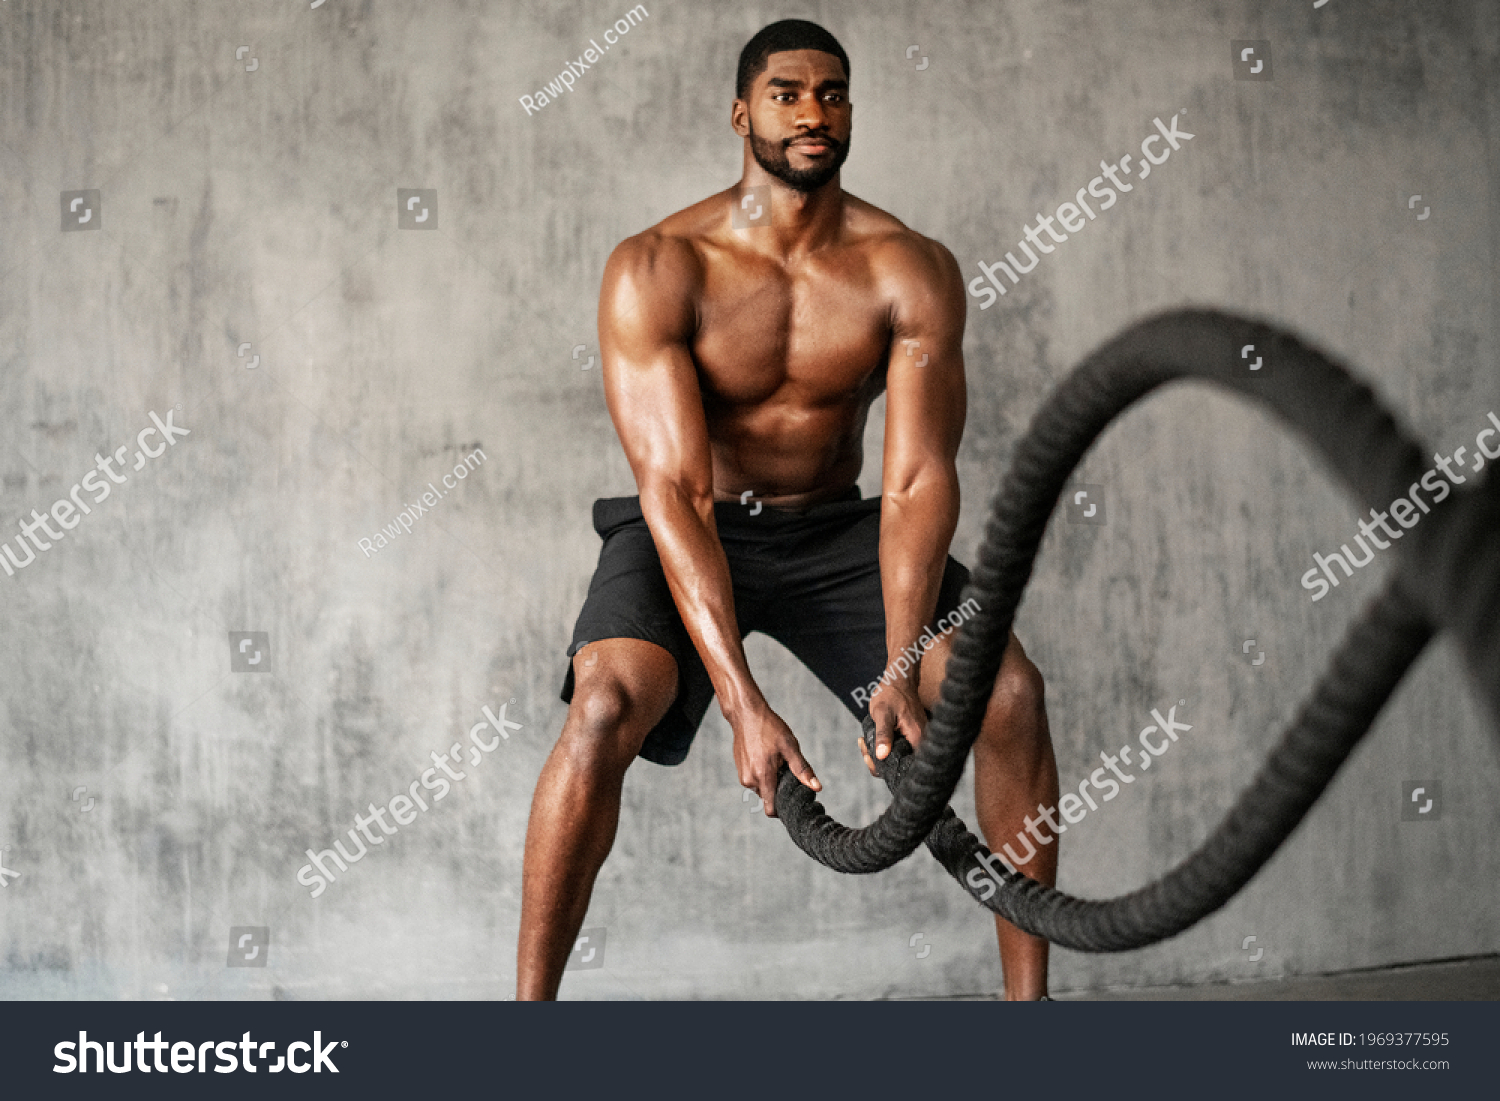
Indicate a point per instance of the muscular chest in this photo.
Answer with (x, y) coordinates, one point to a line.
(816, 334)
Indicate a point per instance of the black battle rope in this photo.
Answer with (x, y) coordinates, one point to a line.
(1447, 577)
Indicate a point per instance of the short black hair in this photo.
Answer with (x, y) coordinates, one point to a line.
(788, 34)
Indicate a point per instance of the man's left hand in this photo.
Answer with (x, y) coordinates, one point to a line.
(895, 707)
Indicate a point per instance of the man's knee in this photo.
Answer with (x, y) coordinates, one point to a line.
(599, 708)
(605, 728)
(1017, 710)
(1019, 687)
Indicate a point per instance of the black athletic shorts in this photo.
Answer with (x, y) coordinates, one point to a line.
(809, 578)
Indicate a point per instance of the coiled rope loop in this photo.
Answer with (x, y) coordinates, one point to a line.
(1447, 578)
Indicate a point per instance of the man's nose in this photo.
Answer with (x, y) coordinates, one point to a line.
(811, 114)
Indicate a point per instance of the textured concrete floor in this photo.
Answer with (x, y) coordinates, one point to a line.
(1466, 980)
(1471, 980)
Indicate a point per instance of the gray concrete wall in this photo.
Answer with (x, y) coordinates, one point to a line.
(258, 207)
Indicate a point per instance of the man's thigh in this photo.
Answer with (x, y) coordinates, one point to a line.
(935, 666)
(629, 602)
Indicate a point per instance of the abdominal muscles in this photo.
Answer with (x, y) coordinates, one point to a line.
(782, 451)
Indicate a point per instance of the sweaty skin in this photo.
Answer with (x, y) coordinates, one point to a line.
(745, 361)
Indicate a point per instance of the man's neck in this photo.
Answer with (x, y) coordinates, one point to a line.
(801, 221)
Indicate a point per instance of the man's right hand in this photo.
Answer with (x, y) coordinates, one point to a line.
(761, 742)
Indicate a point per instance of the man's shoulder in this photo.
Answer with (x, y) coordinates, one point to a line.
(894, 248)
(660, 261)
(678, 237)
(672, 255)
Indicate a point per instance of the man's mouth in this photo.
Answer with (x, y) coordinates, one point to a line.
(812, 147)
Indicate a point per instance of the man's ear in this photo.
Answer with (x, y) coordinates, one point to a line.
(739, 118)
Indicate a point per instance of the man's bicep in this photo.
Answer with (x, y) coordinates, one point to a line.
(658, 413)
(925, 389)
(650, 379)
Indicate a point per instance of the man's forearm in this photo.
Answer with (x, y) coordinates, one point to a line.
(916, 528)
(697, 572)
